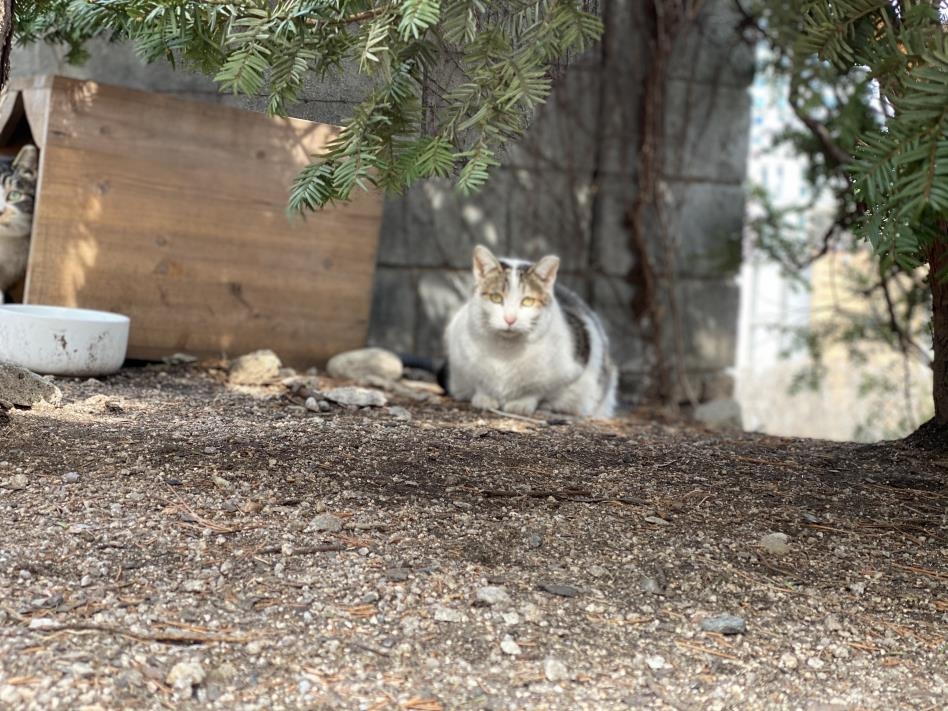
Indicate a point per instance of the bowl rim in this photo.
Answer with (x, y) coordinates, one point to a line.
(44, 312)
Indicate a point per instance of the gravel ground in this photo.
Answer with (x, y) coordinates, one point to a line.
(169, 541)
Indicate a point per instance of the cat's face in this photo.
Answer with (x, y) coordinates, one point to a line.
(17, 192)
(512, 296)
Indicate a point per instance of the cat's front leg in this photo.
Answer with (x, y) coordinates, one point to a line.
(522, 406)
(483, 401)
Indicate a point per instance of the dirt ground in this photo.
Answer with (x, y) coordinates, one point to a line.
(169, 541)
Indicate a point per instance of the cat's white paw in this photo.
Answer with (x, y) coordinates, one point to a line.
(484, 402)
(523, 406)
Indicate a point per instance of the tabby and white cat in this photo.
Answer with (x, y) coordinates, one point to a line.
(17, 192)
(523, 342)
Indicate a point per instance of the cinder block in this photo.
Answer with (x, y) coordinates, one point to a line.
(440, 294)
(550, 213)
(394, 310)
(713, 50)
(707, 130)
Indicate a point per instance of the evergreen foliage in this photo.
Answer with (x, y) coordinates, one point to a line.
(451, 80)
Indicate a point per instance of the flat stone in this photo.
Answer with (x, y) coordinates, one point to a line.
(258, 368)
(446, 614)
(327, 523)
(356, 397)
(554, 670)
(24, 388)
(653, 586)
(365, 363)
(493, 595)
(724, 624)
(509, 646)
(184, 675)
(18, 482)
(775, 543)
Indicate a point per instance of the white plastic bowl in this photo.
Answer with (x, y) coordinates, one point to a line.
(53, 340)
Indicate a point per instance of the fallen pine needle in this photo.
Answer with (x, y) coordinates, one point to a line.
(419, 704)
(923, 571)
(163, 637)
(706, 650)
(21, 680)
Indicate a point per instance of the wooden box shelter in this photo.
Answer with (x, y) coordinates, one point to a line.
(173, 212)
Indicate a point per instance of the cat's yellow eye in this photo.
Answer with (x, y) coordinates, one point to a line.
(528, 301)
(497, 298)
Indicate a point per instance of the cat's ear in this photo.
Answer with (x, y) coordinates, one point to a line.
(545, 270)
(484, 262)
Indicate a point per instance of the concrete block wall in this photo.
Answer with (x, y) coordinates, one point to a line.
(564, 189)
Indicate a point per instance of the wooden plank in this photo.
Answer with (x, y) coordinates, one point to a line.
(174, 213)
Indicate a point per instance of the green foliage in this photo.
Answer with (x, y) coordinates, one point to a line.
(449, 81)
(868, 80)
(900, 170)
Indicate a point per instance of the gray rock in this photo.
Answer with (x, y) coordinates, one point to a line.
(652, 586)
(656, 662)
(397, 574)
(446, 614)
(724, 624)
(257, 368)
(775, 543)
(719, 414)
(561, 590)
(554, 670)
(324, 406)
(493, 595)
(399, 413)
(326, 522)
(364, 363)
(222, 483)
(24, 388)
(509, 646)
(832, 623)
(788, 661)
(18, 482)
(70, 477)
(184, 675)
(356, 397)
(43, 623)
(312, 404)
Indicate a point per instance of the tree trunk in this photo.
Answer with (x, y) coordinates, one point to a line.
(6, 38)
(938, 276)
(933, 435)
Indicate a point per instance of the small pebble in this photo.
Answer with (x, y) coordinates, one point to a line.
(561, 590)
(70, 477)
(446, 614)
(656, 662)
(554, 670)
(326, 522)
(492, 595)
(184, 675)
(18, 481)
(652, 586)
(788, 661)
(508, 646)
(775, 543)
(724, 624)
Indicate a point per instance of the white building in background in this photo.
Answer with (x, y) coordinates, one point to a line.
(773, 306)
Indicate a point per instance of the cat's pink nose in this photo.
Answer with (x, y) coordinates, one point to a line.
(510, 319)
